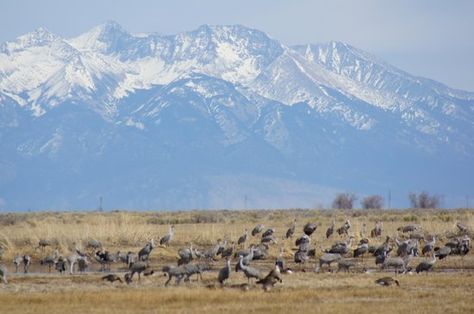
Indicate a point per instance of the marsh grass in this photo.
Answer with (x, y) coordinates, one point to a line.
(435, 292)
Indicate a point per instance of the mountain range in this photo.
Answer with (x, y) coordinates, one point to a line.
(220, 117)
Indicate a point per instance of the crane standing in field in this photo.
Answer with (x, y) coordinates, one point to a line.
(224, 273)
(166, 240)
(249, 272)
(144, 253)
(330, 230)
(272, 278)
(426, 265)
(291, 231)
(243, 238)
(258, 228)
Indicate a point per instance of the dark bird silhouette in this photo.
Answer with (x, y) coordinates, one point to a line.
(426, 265)
(442, 252)
(387, 281)
(258, 228)
(112, 278)
(309, 229)
(272, 278)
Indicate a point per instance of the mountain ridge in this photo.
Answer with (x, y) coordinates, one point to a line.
(313, 117)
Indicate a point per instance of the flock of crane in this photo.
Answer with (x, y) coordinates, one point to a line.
(392, 253)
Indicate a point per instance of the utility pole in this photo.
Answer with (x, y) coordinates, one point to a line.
(245, 201)
(467, 201)
(389, 199)
(100, 203)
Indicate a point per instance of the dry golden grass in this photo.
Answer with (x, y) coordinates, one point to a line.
(310, 292)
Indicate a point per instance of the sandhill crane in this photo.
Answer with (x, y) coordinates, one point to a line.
(186, 255)
(387, 281)
(75, 258)
(291, 231)
(174, 271)
(301, 256)
(82, 264)
(429, 246)
(281, 263)
(222, 247)
(3, 274)
(345, 264)
(460, 246)
(362, 249)
(426, 265)
(50, 260)
(42, 244)
(166, 240)
(417, 236)
(309, 228)
(380, 259)
(144, 253)
(194, 269)
(211, 253)
(93, 244)
(303, 241)
(442, 252)
(408, 228)
(246, 259)
(377, 231)
(243, 238)
(227, 252)
(26, 263)
(249, 272)
(272, 278)
(328, 259)
(224, 273)
(269, 239)
(385, 246)
(268, 232)
(112, 278)
(462, 228)
(330, 230)
(397, 263)
(127, 278)
(138, 267)
(341, 247)
(258, 228)
(149, 272)
(405, 247)
(104, 259)
(344, 229)
(60, 265)
(260, 251)
(131, 258)
(17, 260)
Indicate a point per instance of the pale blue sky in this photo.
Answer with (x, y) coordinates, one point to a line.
(431, 38)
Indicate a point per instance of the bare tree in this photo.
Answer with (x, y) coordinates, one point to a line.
(344, 201)
(372, 202)
(423, 200)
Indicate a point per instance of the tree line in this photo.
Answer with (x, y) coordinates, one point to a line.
(417, 200)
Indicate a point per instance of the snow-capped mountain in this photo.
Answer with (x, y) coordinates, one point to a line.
(211, 117)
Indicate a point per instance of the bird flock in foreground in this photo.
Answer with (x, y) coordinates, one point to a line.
(392, 253)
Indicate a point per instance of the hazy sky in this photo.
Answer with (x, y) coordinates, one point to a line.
(431, 38)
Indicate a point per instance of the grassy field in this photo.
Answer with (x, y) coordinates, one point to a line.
(449, 288)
